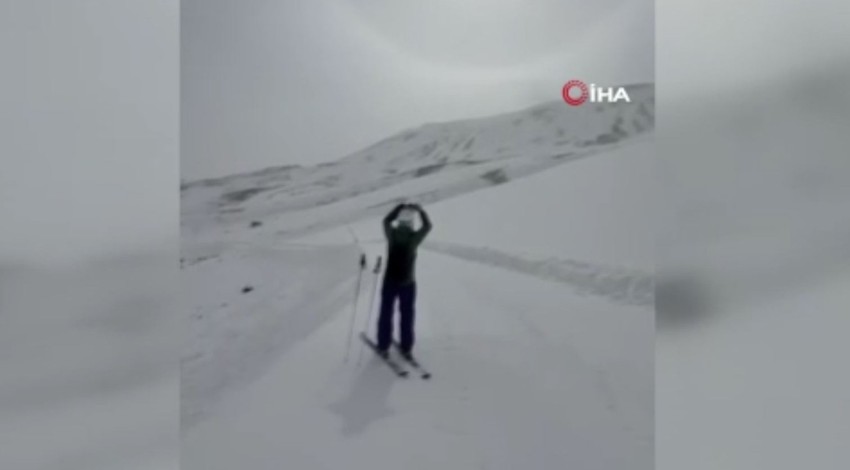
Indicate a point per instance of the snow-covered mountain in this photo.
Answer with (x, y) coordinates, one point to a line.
(533, 311)
(431, 163)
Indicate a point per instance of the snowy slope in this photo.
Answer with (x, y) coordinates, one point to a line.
(533, 313)
(430, 163)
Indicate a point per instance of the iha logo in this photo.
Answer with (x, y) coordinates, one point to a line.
(576, 92)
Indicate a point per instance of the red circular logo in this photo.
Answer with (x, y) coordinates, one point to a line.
(581, 98)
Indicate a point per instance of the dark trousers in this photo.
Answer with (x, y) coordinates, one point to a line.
(406, 295)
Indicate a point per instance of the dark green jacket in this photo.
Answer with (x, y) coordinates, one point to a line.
(402, 243)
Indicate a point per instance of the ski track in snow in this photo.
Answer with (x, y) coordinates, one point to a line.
(617, 284)
(235, 340)
(509, 391)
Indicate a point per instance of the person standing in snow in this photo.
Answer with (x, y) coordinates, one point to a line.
(399, 279)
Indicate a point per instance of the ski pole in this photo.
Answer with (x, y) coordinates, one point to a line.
(375, 271)
(354, 306)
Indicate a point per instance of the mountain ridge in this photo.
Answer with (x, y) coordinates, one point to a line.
(186, 184)
(428, 163)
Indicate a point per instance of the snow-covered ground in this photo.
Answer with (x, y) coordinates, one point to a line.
(533, 312)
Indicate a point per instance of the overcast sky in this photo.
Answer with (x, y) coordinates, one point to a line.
(90, 99)
(272, 82)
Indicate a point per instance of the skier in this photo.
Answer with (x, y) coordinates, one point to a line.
(399, 279)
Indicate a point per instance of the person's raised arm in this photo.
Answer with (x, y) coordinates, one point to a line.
(426, 222)
(388, 220)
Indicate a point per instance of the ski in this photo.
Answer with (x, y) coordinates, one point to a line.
(423, 373)
(395, 366)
